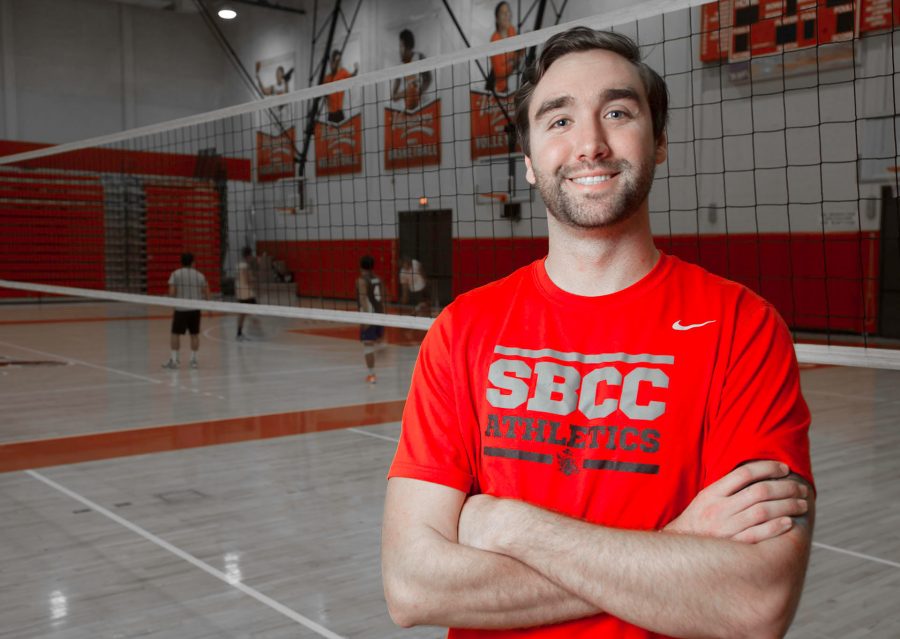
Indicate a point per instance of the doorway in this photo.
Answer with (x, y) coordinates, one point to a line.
(428, 237)
(890, 264)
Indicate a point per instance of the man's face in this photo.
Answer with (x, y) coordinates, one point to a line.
(405, 53)
(335, 62)
(592, 149)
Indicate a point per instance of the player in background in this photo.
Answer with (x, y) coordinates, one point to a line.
(370, 298)
(186, 283)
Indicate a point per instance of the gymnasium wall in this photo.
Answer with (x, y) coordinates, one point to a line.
(761, 184)
(817, 282)
(762, 181)
(76, 69)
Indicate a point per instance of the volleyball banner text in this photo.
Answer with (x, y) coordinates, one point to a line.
(339, 147)
(491, 127)
(412, 138)
(274, 155)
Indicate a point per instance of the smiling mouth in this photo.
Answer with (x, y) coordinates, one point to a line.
(593, 179)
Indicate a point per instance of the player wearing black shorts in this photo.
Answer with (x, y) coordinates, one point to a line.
(186, 283)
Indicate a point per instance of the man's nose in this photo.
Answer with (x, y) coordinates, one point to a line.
(592, 142)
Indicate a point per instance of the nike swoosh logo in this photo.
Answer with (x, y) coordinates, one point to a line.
(678, 326)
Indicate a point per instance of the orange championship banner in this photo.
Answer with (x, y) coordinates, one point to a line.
(412, 138)
(339, 147)
(489, 124)
(274, 155)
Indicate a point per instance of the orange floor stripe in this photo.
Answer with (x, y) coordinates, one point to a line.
(157, 439)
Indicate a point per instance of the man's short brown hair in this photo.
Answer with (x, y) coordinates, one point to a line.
(579, 39)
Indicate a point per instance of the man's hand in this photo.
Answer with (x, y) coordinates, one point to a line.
(752, 503)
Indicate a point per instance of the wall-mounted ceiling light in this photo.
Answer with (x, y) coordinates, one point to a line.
(227, 13)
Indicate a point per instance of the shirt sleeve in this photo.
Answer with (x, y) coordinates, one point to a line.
(431, 446)
(760, 412)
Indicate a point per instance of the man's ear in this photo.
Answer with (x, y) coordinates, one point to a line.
(662, 148)
(529, 172)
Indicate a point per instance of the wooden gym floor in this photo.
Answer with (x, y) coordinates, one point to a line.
(119, 517)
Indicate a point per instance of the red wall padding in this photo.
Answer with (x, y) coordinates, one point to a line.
(477, 261)
(329, 268)
(816, 281)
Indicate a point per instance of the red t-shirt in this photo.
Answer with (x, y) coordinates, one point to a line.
(615, 409)
(336, 100)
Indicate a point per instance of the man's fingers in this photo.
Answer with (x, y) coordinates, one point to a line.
(749, 473)
(771, 510)
(768, 490)
(767, 530)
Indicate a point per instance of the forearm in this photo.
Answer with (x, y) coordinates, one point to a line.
(678, 585)
(435, 581)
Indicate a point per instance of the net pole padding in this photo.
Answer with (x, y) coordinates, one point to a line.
(648, 9)
(263, 310)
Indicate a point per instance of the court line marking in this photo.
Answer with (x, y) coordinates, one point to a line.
(162, 543)
(852, 553)
(83, 363)
(65, 389)
(359, 431)
(71, 360)
(307, 350)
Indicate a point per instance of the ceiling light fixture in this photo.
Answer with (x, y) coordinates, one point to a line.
(227, 13)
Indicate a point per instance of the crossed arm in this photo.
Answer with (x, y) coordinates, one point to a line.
(731, 565)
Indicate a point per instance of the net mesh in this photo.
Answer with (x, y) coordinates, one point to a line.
(781, 174)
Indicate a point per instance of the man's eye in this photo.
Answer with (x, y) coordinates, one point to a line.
(617, 114)
(559, 122)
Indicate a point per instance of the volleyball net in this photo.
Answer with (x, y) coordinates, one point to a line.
(782, 174)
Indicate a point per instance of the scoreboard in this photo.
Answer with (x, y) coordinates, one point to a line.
(737, 30)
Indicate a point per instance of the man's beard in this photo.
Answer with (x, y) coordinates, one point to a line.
(597, 210)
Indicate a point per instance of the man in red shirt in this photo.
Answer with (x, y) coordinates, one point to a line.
(609, 442)
(336, 100)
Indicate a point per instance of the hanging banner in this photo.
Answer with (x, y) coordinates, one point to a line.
(489, 124)
(339, 147)
(412, 138)
(274, 155)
